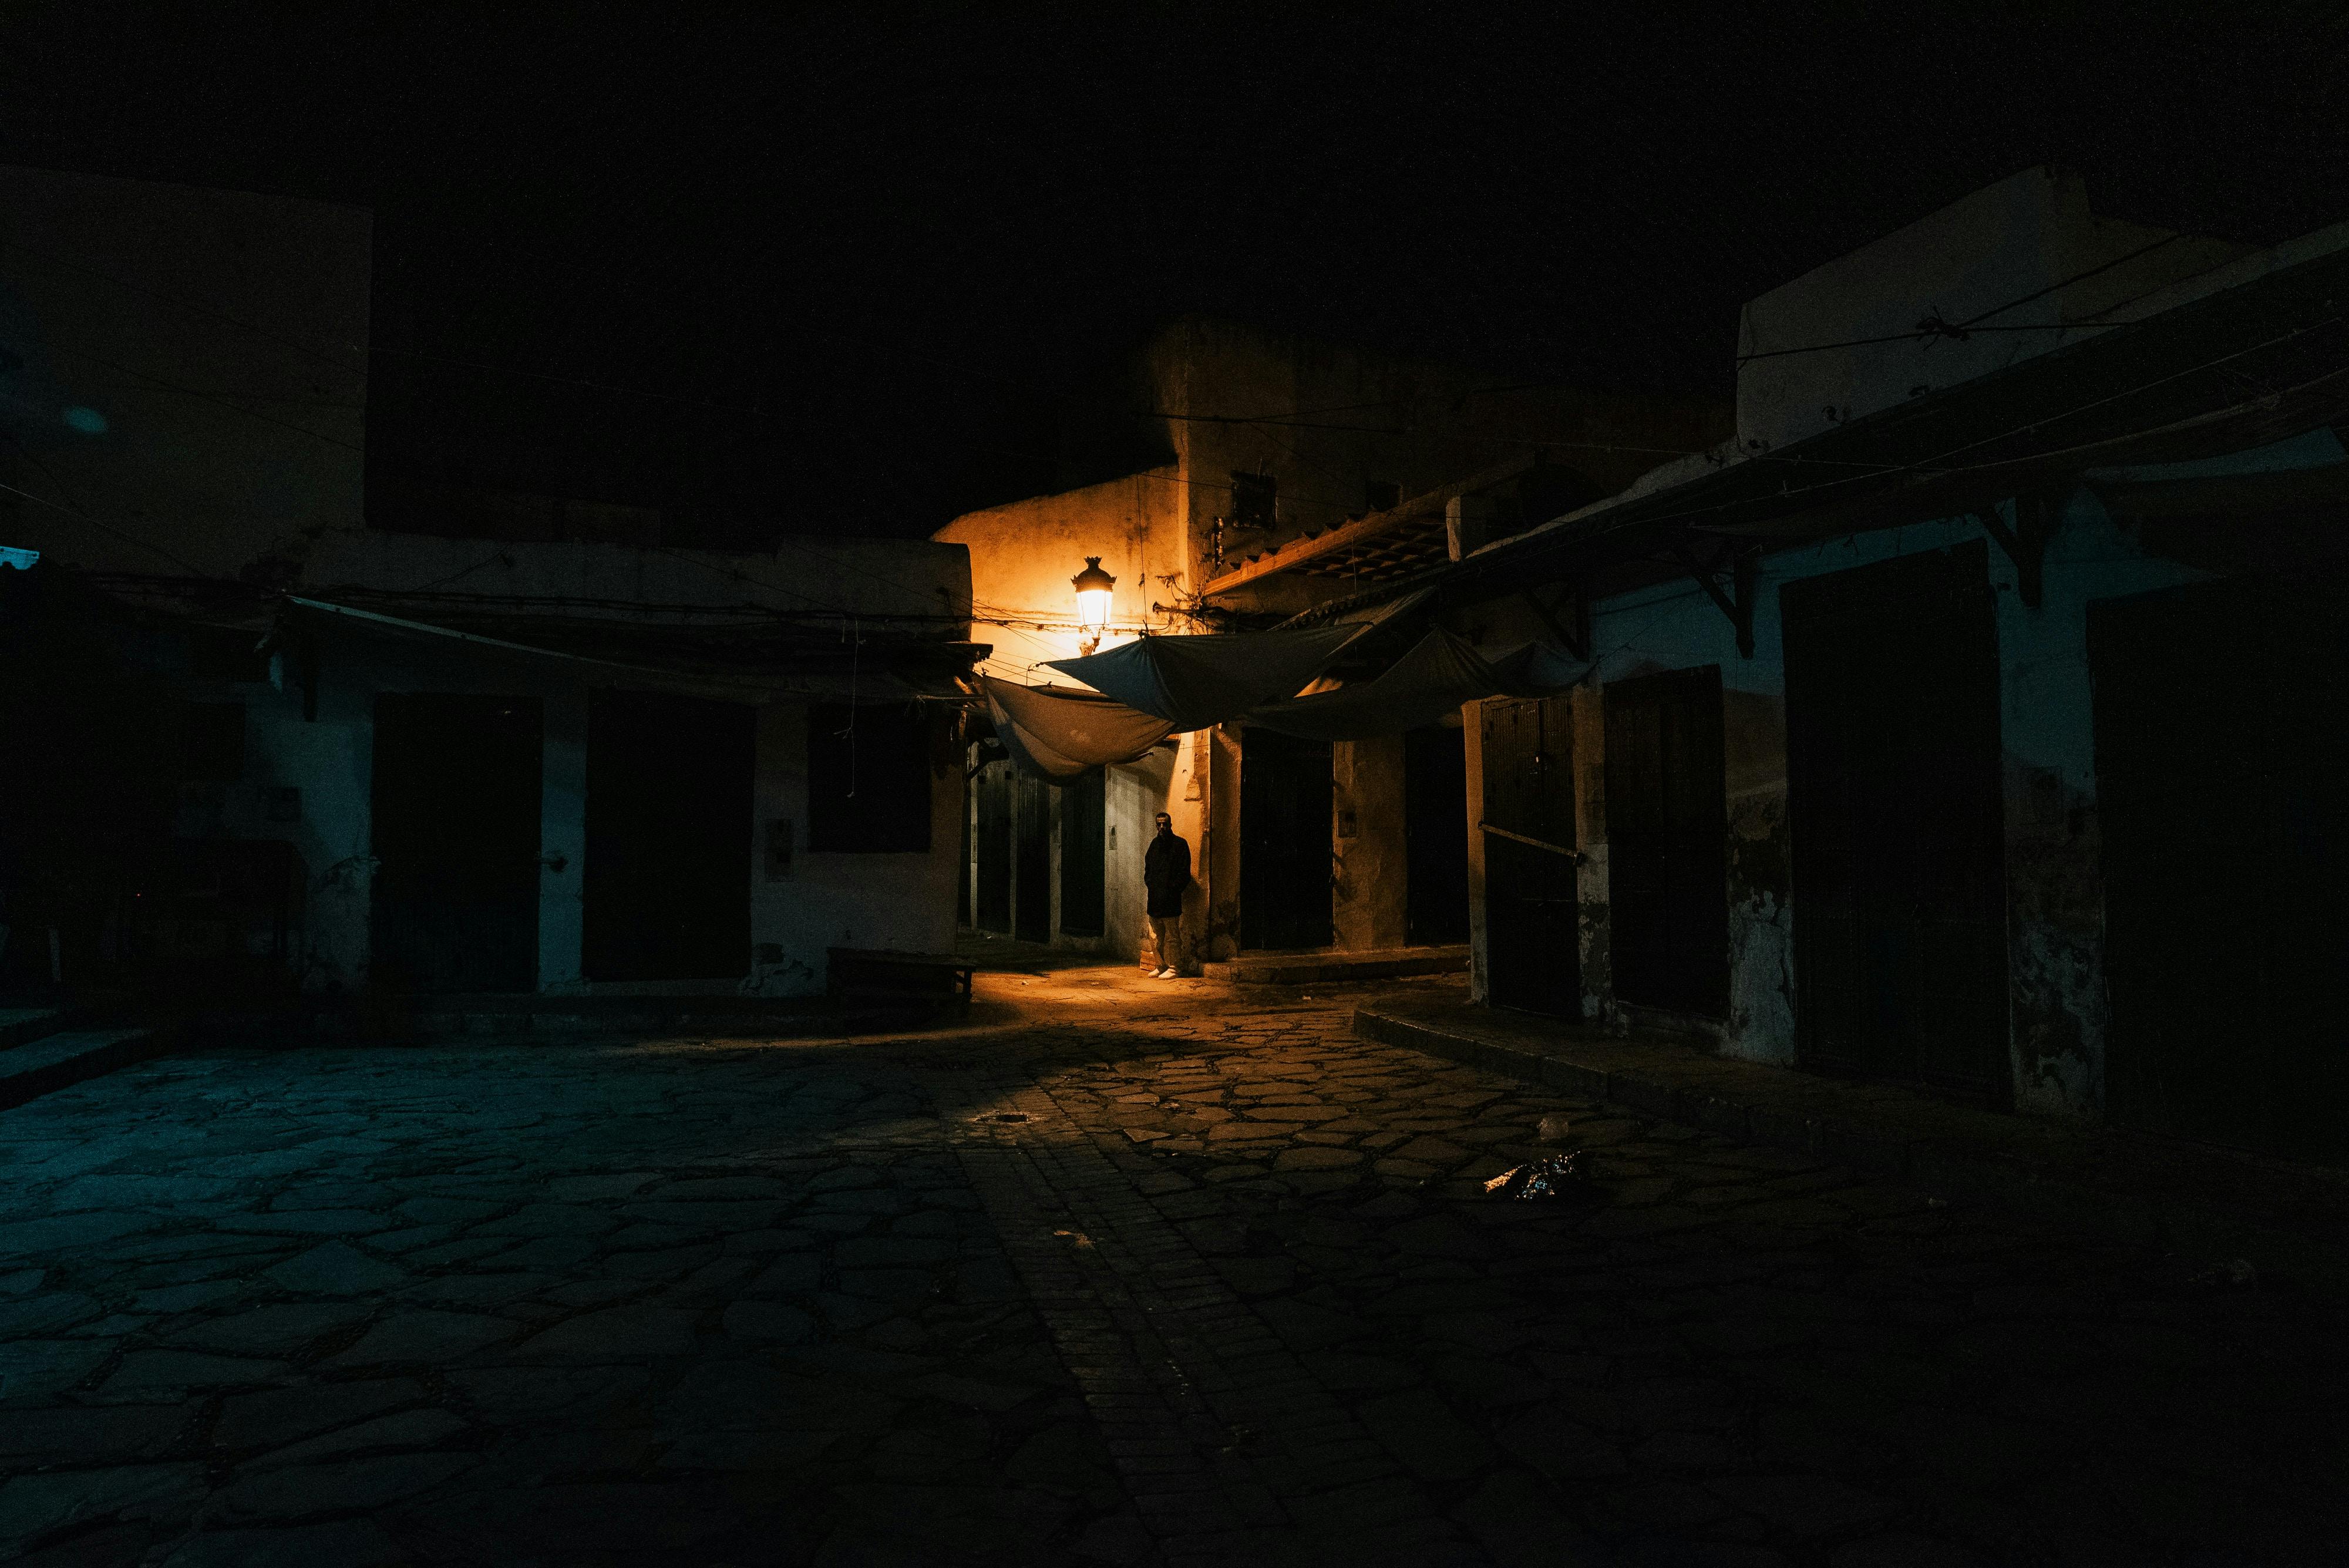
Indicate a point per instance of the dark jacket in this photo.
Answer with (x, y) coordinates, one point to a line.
(1165, 872)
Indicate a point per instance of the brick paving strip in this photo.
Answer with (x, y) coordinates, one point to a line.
(1212, 1421)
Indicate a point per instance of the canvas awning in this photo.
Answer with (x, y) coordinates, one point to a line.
(1194, 682)
(1061, 735)
(1440, 674)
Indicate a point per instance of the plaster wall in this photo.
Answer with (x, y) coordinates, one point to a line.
(1593, 924)
(116, 297)
(1022, 556)
(1207, 774)
(563, 832)
(2026, 259)
(2054, 893)
(1242, 398)
(331, 760)
(829, 899)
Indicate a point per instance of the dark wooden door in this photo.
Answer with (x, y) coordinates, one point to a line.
(995, 848)
(1532, 906)
(1083, 902)
(2221, 769)
(1667, 842)
(1285, 842)
(455, 802)
(1436, 823)
(667, 887)
(1895, 814)
(1032, 859)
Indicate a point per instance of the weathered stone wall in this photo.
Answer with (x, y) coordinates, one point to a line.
(1592, 923)
(1761, 1024)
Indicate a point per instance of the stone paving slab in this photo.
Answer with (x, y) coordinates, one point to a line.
(19, 1024)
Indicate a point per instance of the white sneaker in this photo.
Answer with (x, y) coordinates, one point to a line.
(1163, 974)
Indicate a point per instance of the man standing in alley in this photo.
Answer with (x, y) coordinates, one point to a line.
(1166, 873)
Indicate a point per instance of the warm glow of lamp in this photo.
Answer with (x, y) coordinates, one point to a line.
(1093, 587)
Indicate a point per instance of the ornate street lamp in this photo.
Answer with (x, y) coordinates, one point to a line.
(1093, 587)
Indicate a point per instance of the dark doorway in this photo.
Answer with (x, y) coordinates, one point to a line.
(1285, 845)
(995, 848)
(1667, 842)
(1435, 827)
(1532, 958)
(667, 883)
(455, 811)
(1895, 814)
(1031, 905)
(1083, 811)
(2220, 761)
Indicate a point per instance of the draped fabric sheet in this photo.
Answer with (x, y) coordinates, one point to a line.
(1439, 674)
(1194, 682)
(1064, 735)
(1158, 686)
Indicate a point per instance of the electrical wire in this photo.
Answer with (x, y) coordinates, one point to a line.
(1939, 328)
(1934, 466)
(210, 397)
(107, 527)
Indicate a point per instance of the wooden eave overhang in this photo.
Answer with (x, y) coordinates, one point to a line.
(2251, 365)
(1400, 541)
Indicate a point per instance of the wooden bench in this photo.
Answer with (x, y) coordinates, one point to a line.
(919, 977)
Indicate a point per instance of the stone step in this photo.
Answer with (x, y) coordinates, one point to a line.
(1304, 968)
(18, 1024)
(45, 1065)
(555, 1017)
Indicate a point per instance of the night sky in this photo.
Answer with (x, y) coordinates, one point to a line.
(830, 271)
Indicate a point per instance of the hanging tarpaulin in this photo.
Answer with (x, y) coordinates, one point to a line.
(1536, 670)
(1194, 682)
(1063, 735)
(1439, 674)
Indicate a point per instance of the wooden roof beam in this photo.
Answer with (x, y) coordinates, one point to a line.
(1333, 540)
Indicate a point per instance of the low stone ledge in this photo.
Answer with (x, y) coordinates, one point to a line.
(2303, 1232)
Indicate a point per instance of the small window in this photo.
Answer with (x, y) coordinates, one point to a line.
(1381, 495)
(1253, 497)
(868, 780)
(211, 741)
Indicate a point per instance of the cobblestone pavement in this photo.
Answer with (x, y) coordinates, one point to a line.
(1118, 1282)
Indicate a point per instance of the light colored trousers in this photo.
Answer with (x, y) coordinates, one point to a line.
(1167, 933)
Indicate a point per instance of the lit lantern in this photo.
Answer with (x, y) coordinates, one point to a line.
(1093, 587)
